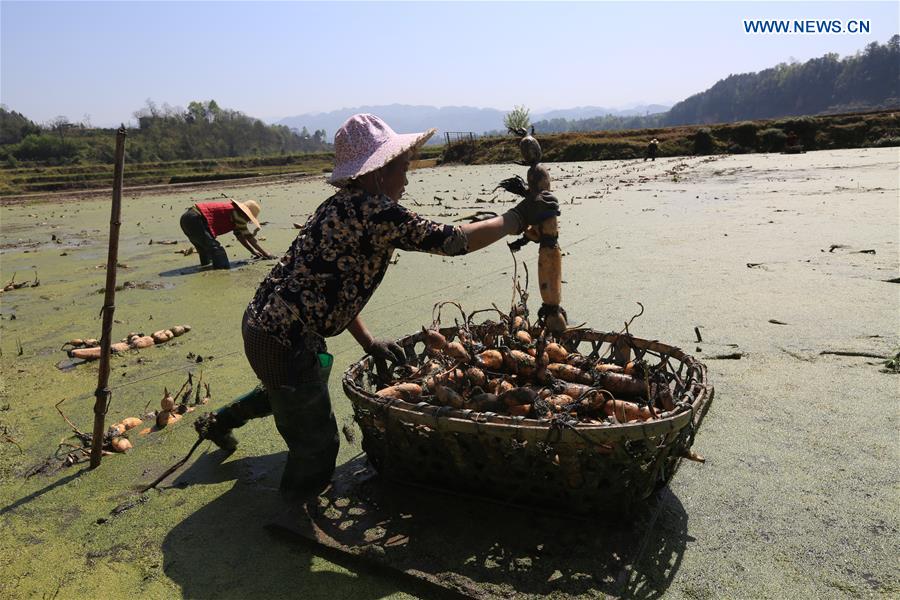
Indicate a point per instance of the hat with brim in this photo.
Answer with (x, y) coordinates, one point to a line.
(249, 209)
(365, 143)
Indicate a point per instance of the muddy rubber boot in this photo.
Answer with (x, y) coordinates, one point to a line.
(252, 405)
(209, 428)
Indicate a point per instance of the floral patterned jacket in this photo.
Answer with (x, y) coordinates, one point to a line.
(337, 261)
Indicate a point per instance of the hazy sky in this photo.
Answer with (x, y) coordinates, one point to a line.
(276, 59)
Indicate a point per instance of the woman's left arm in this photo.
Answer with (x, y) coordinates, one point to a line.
(243, 240)
(401, 228)
(380, 349)
(484, 233)
(360, 333)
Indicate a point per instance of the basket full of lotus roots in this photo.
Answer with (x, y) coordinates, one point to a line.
(582, 420)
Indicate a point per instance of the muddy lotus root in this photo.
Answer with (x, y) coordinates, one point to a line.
(520, 369)
(89, 349)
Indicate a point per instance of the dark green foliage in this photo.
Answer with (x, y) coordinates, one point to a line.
(803, 127)
(772, 139)
(826, 131)
(46, 148)
(703, 141)
(14, 127)
(204, 130)
(843, 135)
(866, 81)
(744, 134)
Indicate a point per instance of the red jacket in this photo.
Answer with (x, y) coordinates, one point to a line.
(218, 216)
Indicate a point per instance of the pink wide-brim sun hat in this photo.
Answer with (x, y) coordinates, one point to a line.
(365, 143)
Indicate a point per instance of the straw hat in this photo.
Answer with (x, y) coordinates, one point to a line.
(365, 143)
(250, 209)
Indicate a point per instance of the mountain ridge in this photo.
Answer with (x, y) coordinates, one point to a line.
(406, 118)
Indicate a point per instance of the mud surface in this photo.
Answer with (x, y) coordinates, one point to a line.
(775, 258)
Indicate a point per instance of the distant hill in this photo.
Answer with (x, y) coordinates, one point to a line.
(587, 112)
(868, 80)
(406, 118)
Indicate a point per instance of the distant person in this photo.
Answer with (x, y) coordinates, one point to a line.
(204, 222)
(652, 150)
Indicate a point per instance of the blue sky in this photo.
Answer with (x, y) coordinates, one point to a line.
(276, 59)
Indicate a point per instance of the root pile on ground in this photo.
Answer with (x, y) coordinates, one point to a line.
(115, 440)
(14, 285)
(172, 408)
(89, 348)
(76, 448)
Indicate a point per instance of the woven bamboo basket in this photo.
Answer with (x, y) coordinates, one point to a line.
(581, 468)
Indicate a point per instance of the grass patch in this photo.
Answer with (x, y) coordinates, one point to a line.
(35, 179)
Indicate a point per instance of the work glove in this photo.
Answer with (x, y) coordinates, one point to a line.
(534, 209)
(383, 351)
(386, 350)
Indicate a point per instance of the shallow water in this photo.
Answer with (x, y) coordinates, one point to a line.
(793, 498)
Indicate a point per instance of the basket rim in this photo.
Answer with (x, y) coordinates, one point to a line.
(463, 420)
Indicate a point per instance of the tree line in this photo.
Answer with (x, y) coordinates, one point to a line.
(163, 133)
(867, 80)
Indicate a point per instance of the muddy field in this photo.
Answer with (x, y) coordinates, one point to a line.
(788, 265)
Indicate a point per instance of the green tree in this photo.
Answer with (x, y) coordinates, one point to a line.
(14, 126)
(517, 118)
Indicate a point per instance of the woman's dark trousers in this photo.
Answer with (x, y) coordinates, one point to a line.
(295, 392)
(194, 226)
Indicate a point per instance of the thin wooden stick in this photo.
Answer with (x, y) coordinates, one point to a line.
(102, 394)
(173, 468)
(85, 438)
(852, 353)
(12, 441)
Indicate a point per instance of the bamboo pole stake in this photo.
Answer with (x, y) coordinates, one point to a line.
(102, 393)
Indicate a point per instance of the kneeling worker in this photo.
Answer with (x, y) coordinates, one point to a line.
(204, 222)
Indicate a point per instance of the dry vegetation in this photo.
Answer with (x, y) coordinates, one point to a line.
(814, 133)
